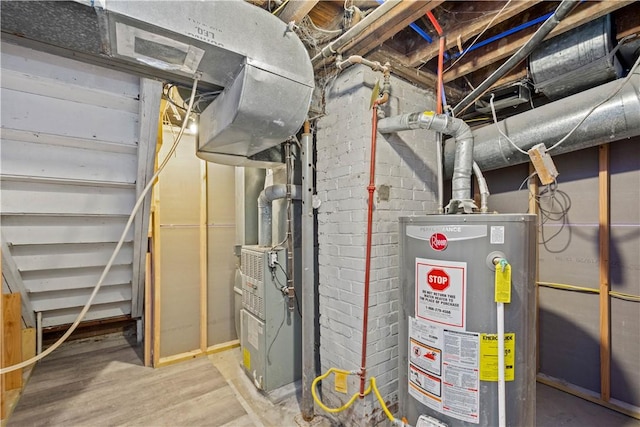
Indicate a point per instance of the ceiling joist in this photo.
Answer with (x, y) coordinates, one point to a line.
(397, 19)
(295, 10)
(506, 47)
(466, 31)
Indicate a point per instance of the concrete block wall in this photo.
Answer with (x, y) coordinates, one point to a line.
(406, 167)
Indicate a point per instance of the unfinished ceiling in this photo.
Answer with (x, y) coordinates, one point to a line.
(480, 35)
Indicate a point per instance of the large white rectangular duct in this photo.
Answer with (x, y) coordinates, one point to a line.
(259, 63)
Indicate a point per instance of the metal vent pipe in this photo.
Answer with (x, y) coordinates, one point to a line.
(617, 118)
(265, 214)
(463, 163)
(338, 44)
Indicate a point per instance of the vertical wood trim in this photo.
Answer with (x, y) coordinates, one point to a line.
(204, 337)
(534, 209)
(605, 315)
(12, 334)
(28, 343)
(149, 112)
(3, 400)
(148, 318)
(16, 285)
(157, 282)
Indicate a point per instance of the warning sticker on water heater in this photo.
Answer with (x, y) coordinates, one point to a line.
(443, 369)
(441, 292)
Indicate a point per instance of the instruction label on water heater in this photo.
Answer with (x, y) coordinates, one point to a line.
(443, 369)
(441, 290)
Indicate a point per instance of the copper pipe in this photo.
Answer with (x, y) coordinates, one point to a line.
(371, 189)
(357, 59)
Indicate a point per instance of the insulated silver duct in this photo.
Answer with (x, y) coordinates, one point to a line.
(577, 60)
(617, 118)
(265, 213)
(463, 163)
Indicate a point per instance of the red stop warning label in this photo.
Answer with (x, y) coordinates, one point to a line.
(441, 292)
(438, 279)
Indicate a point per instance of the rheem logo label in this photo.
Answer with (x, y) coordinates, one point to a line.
(438, 242)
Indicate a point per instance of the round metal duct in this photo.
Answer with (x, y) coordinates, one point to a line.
(577, 60)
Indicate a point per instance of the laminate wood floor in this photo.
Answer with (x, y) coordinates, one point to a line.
(103, 383)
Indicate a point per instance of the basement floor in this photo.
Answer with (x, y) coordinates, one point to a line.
(101, 382)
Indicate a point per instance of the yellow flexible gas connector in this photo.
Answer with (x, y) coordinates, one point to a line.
(372, 386)
(346, 405)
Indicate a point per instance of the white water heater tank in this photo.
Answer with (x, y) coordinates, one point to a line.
(448, 343)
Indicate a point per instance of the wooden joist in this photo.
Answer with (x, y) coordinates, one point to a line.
(467, 30)
(12, 340)
(204, 259)
(149, 111)
(395, 20)
(605, 316)
(506, 47)
(295, 10)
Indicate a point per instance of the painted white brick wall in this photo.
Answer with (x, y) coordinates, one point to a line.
(405, 162)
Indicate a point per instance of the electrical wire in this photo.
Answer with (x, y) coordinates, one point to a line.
(563, 9)
(560, 204)
(205, 97)
(568, 287)
(279, 8)
(464, 52)
(295, 294)
(284, 317)
(107, 267)
(615, 294)
(611, 95)
(495, 119)
(308, 19)
(625, 296)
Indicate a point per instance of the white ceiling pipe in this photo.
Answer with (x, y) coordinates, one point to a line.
(336, 46)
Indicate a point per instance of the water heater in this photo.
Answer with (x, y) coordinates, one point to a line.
(448, 326)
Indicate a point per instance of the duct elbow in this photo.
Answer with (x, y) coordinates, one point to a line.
(463, 163)
(265, 215)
